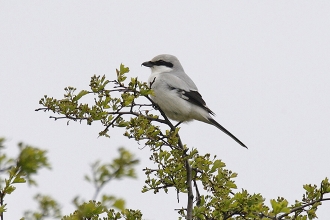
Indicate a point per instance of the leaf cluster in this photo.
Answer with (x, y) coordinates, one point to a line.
(92, 210)
(101, 174)
(208, 185)
(20, 169)
(48, 207)
(120, 167)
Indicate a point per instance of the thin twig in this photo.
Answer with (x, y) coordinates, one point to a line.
(162, 187)
(188, 169)
(301, 207)
(5, 169)
(198, 195)
(112, 122)
(166, 121)
(2, 195)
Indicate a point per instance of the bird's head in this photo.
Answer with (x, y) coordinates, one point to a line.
(163, 63)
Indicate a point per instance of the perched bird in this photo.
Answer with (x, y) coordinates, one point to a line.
(177, 95)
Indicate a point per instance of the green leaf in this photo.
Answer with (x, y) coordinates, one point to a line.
(119, 204)
(80, 94)
(231, 185)
(308, 188)
(280, 206)
(3, 208)
(19, 179)
(123, 69)
(275, 206)
(9, 189)
(217, 164)
(325, 185)
(87, 178)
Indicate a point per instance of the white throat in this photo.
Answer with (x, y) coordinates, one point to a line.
(160, 69)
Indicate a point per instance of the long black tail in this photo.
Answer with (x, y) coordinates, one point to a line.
(216, 124)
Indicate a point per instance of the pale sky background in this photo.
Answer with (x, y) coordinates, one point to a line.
(262, 66)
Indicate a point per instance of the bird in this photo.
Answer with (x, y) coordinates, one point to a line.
(177, 95)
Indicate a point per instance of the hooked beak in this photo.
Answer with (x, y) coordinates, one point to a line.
(148, 64)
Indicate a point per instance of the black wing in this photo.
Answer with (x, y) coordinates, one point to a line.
(193, 97)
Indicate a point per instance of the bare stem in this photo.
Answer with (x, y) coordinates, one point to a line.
(187, 166)
(301, 207)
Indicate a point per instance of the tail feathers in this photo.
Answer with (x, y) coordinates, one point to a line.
(216, 124)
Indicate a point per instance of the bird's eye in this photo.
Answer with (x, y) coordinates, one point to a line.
(163, 63)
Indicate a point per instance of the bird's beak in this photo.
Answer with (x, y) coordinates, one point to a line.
(148, 64)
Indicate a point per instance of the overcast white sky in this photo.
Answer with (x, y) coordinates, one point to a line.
(262, 66)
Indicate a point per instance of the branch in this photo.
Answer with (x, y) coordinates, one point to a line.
(198, 195)
(188, 169)
(68, 117)
(163, 187)
(138, 114)
(190, 191)
(2, 195)
(150, 170)
(112, 122)
(5, 169)
(130, 111)
(187, 165)
(301, 207)
(110, 113)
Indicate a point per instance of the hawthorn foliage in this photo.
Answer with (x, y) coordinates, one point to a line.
(19, 169)
(210, 187)
(22, 169)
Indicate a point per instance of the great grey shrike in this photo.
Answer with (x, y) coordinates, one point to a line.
(177, 95)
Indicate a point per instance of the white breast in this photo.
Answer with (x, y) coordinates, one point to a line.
(168, 100)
